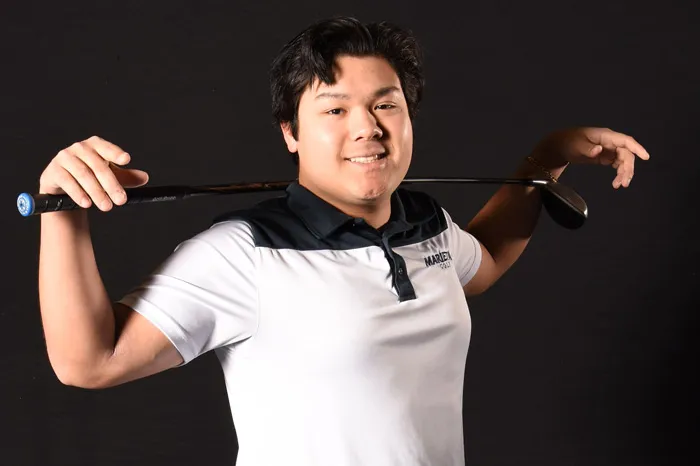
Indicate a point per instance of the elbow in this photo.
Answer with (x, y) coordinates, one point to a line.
(74, 378)
(74, 375)
(69, 379)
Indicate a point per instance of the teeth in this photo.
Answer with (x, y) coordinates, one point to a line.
(369, 159)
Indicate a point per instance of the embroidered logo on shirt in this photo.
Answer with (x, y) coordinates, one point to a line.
(443, 259)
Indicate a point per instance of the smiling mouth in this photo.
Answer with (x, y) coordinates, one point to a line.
(368, 159)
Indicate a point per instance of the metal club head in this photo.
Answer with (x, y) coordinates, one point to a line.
(564, 205)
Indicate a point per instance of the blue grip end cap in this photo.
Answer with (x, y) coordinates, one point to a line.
(25, 204)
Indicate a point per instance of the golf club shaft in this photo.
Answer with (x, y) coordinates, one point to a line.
(36, 204)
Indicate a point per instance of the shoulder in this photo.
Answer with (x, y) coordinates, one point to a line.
(424, 216)
(274, 209)
(422, 208)
(418, 203)
(269, 223)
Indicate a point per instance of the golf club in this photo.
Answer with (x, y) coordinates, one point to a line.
(564, 205)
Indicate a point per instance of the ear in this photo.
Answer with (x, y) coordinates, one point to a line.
(288, 137)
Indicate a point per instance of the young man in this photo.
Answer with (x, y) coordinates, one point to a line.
(337, 311)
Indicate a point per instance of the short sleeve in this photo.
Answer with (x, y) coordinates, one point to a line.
(204, 295)
(466, 251)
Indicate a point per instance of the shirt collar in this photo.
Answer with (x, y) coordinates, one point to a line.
(323, 218)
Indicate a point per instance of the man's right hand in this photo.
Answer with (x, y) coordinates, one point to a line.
(89, 172)
(91, 342)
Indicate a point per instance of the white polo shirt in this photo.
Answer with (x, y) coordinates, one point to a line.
(341, 345)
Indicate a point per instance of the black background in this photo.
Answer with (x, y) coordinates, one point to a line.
(585, 353)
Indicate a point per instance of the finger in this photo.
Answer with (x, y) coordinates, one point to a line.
(108, 151)
(86, 179)
(628, 159)
(611, 140)
(71, 187)
(621, 176)
(636, 148)
(625, 170)
(102, 171)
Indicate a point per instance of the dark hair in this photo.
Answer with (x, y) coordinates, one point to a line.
(312, 55)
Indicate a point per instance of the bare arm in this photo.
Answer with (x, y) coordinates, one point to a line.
(505, 224)
(504, 227)
(91, 342)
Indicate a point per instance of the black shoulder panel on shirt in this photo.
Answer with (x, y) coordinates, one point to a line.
(424, 214)
(274, 225)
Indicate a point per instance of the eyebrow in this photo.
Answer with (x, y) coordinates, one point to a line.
(381, 92)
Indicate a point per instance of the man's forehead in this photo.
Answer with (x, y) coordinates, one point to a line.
(379, 92)
(319, 90)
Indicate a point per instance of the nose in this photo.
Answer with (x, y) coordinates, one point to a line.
(364, 126)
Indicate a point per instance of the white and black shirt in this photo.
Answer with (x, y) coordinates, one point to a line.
(340, 344)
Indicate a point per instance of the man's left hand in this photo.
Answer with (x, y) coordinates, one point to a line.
(600, 146)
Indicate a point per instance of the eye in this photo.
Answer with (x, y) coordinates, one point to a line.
(335, 111)
(385, 106)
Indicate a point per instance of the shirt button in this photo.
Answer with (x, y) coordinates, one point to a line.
(400, 271)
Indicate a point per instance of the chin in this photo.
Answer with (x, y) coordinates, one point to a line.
(373, 192)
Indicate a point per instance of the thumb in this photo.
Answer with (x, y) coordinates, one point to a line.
(594, 150)
(585, 151)
(587, 148)
(130, 177)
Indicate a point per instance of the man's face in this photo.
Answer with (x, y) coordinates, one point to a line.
(343, 127)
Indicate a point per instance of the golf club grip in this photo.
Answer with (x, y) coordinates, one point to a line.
(35, 204)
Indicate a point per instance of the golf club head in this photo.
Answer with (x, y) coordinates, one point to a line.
(564, 205)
